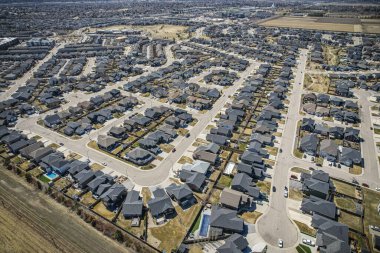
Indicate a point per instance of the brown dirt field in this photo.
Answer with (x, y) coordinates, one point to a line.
(327, 24)
(317, 83)
(155, 31)
(308, 23)
(32, 222)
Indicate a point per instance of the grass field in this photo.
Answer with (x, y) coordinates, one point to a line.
(325, 24)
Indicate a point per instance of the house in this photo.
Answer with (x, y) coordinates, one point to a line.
(182, 194)
(99, 180)
(351, 117)
(319, 206)
(309, 144)
(196, 181)
(211, 148)
(329, 150)
(217, 139)
(233, 199)
(139, 156)
(12, 137)
(52, 121)
(224, 220)
(132, 206)
(114, 196)
(322, 129)
(243, 183)
(234, 244)
(308, 124)
(317, 184)
(160, 205)
(205, 156)
(332, 237)
(40, 153)
(349, 156)
(197, 166)
(118, 132)
(352, 134)
(336, 132)
(77, 166)
(15, 147)
(310, 108)
(24, 152)
(309, 98)
(251, 158)
(107, 142)
(84, 177)
(322, 111)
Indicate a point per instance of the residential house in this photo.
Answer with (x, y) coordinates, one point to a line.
(224, 220)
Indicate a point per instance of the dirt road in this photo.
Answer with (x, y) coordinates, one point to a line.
(31, 222)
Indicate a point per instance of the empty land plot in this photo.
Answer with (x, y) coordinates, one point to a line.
(313, 24)
(317, 83)
(370, 25)
(156, 31)
(29, 223)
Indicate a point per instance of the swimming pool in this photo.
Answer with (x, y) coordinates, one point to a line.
(204, 226)
(51, 175)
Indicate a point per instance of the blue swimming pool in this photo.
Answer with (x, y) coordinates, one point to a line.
(204, 226)
(51, 175)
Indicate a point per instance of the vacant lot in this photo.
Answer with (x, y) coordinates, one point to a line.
(317, 83)
(329, 24)
(29, 223)
(157, 31)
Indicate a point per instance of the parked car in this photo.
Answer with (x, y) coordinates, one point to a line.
(308, 242)
(285, 193)
(187, 135)
(280, 243)
(174, 150)
(376, 228)
(104, 164)
(365, 185)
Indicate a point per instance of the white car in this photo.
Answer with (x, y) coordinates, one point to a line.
(104, 164)
(285, 193)
(280, 243)
(308, 242)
